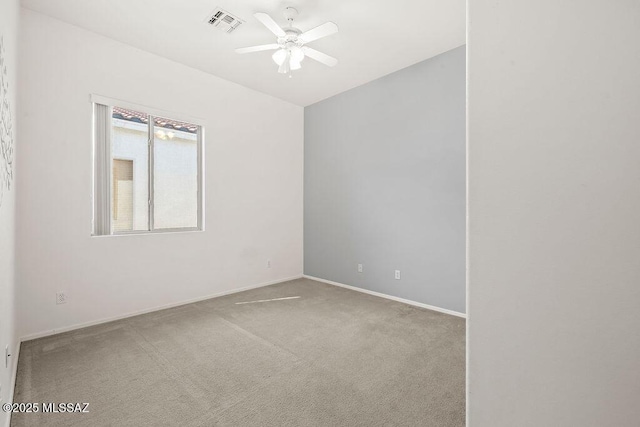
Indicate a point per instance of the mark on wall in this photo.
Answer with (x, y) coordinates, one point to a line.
(6, 127)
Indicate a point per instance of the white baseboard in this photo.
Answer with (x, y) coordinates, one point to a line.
(150, 310)
(381, 295)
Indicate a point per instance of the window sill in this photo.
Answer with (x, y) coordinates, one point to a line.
(154, 232)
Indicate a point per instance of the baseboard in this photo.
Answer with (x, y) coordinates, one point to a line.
(14, 375)
(150, 310)
(381, 295)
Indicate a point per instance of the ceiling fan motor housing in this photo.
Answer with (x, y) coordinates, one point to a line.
(291, 38)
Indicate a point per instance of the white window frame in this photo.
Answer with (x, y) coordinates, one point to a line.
(103, 166)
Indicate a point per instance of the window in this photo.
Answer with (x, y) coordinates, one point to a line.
(148, 172)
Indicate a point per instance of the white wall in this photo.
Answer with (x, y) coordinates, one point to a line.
(554, 213)
(253, 184)
(9, 19)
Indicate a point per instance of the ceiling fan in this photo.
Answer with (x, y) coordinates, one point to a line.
(291, 46)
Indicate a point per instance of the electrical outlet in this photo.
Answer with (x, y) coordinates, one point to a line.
(359, 268)
(268, 263)
(397, 274)
(61, 298)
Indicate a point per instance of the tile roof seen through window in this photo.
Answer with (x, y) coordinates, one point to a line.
(136, 116)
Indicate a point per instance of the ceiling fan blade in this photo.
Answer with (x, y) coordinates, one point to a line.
(250, 49)
(323, 58)
(318, 32)
(285, 67)
(268, 22)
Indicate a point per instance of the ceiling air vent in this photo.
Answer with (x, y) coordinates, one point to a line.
(224, 21)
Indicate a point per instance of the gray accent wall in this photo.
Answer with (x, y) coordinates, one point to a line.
(384, 184)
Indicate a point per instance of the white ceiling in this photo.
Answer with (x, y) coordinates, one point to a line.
(376, 37)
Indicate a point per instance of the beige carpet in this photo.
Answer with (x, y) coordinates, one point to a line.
(332, 357)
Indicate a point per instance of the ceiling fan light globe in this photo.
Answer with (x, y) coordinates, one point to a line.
(297, 54)
(279, 56)
(294, 65)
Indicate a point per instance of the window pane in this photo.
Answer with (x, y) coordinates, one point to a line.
(122, 207)
(130, 176)
(175, 174)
